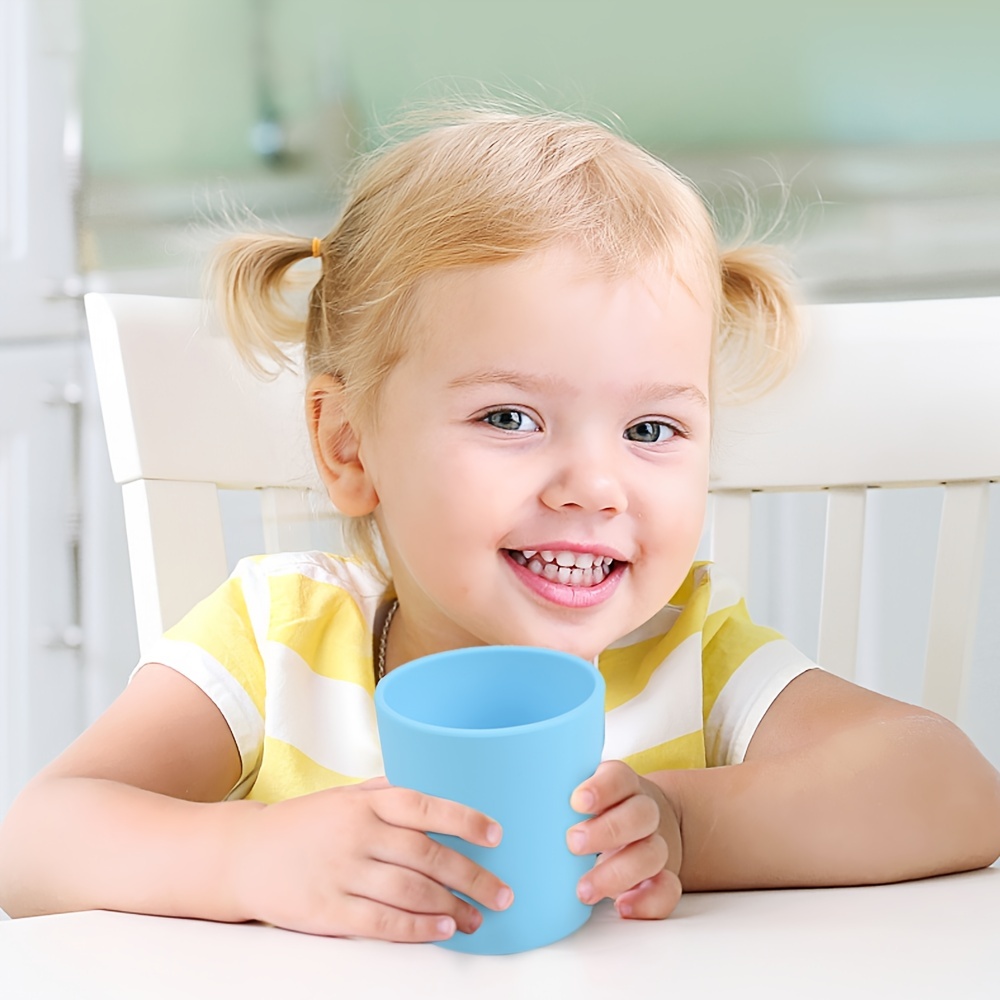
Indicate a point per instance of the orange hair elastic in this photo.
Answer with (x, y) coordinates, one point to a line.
(316, 247)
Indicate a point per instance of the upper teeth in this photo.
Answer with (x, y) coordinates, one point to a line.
(574, 568)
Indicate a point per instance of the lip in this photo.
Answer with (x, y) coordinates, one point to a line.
(562, 594)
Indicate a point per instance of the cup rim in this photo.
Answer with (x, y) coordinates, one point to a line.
(597, 692)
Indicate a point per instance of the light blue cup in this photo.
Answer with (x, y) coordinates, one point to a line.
(510, 731)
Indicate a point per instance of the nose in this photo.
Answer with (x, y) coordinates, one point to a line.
(587, 480)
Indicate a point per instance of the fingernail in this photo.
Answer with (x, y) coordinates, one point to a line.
(625, 909)
(584, 801)
(504, 898)
(475, 922)
(493, 833)
(577, 838)
(446, 927)
(584, 891)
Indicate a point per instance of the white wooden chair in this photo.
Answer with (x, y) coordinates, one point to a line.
(886, 395)
(185, 419)
(889, 394)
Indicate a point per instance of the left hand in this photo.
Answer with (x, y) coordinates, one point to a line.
(635, 829)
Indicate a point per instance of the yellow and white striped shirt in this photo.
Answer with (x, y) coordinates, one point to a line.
(284, 649)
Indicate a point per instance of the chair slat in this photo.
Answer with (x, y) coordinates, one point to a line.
(287, 515)
(730, 535)
(233, 428)
(838, 420)
(176, 550)
(958, 574)
(840, 605)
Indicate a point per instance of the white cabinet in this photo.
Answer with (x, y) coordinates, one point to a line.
(55, 586)
(67, 631)
(40, 660)
(39, 167)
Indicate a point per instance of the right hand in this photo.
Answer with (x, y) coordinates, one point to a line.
(355, 861)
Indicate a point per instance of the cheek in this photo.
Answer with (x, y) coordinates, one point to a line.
(677, 512)
(431, 494)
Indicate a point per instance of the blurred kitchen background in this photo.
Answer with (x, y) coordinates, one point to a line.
(131, 131)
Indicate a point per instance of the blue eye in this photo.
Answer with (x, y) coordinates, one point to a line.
(511, 420)
(650, 432)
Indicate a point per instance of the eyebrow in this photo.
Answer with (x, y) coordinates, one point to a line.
(538, 383)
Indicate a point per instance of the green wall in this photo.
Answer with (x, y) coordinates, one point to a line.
(168, 86)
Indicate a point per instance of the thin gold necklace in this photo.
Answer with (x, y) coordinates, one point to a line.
(383, 639)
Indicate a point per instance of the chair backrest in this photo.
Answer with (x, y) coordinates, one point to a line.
(184, 419)
(886, 395)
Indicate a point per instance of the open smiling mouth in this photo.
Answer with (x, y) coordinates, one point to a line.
(573, 569)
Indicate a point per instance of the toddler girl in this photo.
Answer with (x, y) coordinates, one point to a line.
(514, 342)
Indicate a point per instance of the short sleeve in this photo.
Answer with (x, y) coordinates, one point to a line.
(215, 645)
(745, 666)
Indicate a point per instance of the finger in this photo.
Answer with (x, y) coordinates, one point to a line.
(652, 899)
(444, 866)
(612, 782)
(635, 818)
(371, 919)
(624, 870)
(412, 891)
(412, 810)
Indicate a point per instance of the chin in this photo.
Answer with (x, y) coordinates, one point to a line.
(565, 640)
(585, 652)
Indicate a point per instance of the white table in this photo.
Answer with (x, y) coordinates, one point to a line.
(937, 938)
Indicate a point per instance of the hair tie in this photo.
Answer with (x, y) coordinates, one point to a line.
(316, 248)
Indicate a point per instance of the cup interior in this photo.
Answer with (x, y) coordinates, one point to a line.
(489, 687)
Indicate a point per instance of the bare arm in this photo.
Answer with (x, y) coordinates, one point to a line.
(840, 786)
(129, 817)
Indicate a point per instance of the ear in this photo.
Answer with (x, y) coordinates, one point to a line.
(336, 448)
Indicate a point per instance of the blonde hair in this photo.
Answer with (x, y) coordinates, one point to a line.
(482, 187)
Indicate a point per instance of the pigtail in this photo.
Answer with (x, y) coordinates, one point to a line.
(248, 281)
(759, 329)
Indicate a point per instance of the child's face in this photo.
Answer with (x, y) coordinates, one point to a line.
(548, 415)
